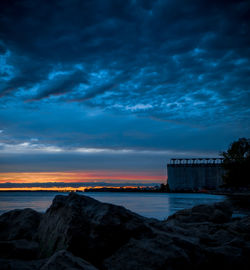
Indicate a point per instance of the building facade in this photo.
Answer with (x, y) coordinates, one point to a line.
(195, 174)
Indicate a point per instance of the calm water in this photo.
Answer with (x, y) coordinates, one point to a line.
(156, 205)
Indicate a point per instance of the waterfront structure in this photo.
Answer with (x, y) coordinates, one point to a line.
(195, 173)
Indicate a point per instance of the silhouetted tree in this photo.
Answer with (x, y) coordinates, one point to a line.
(237, 164)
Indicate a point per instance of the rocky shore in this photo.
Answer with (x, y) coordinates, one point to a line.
(78, 232)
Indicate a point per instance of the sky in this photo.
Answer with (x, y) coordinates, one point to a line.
(111, 90)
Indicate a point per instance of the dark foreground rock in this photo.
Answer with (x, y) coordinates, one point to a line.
(216, 213)
(19, 224)
(14, 264)
(203, 237)
(88, 228)
(19, 249)
(59, 261)
(65, 260)
(78, 232)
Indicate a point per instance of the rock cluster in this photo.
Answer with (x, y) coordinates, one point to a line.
(78, 232)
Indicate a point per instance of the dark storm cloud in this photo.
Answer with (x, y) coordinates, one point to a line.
(61, 84)
(20, 72)
(130, 74)
(111, 85)
(185, 46)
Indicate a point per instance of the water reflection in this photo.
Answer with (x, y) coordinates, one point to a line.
(154, 205)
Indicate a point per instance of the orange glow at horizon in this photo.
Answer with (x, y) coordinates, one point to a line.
(62, 189)
(79, 176)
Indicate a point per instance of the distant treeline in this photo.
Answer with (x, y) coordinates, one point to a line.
(74, 185)
(162, 188)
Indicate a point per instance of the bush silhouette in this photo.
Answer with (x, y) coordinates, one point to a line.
(236, 162)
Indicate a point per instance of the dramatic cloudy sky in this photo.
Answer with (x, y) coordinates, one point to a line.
(115, 88)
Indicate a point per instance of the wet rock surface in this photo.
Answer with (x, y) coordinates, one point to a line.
(78, 232)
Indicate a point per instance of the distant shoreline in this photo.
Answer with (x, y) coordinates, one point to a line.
(114, 191)
(136, 190)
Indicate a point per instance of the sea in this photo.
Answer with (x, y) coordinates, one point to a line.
(151, 205)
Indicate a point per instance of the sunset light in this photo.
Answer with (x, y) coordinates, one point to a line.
(85, 176)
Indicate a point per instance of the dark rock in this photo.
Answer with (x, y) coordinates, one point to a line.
(19, 224)
(216, 213)
(12, 264)
(65, 260)
(226, 257)
(60, 260)
(88, 228)
(176, 251)
(113, 238)
(159, 252)
(242, 227)
(19, 249)
(168, 249)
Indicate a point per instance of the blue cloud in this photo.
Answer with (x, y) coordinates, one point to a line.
(150, 75)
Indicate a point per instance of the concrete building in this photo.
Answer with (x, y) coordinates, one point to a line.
(195, 173)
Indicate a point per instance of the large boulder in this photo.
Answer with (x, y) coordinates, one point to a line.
(198, 246)
(59, 261)
(159, 252)
(65, 260)
(14, 264)
(19, 224)
(88, 228)
(216, 213)
(202, 237)
(19, 249)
